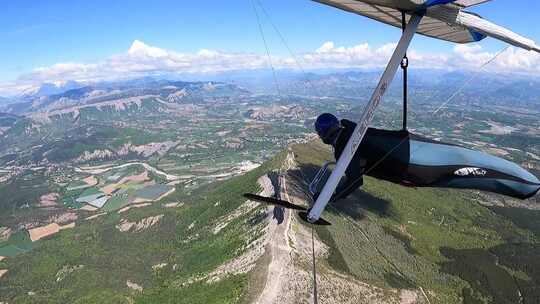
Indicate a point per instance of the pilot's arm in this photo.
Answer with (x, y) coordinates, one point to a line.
(352, 180)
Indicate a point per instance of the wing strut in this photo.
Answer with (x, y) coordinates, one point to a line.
(404, 66)
(365, 120)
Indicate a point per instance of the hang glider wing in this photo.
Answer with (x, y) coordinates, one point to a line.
(467, 3)
(443, 19)
(429, 26)
(484, 27)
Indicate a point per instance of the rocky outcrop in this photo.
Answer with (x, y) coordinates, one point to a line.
(5, 233)
(276, 112)
(159, 148)
(48, 200)
(95, 155)
(177, 96)
(67, 270)
(134, 286)
(63, 218)
(147, 150)
(145, 223)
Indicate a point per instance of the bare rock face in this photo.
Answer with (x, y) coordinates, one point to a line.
(235, 145)
(48, 200)
(134, 286)
(276, 112)
(147, 150)
(145, 223)
(95, 155)
(63, 218)
(5, 233)
(153, 148)
(177, 96)
(66, 271)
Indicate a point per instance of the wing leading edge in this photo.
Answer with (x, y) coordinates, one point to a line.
(468, 3)
(446, 21)
(429, 26)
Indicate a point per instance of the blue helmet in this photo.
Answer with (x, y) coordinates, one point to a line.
(326, 127)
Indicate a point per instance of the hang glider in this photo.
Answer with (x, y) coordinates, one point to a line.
(442, 19)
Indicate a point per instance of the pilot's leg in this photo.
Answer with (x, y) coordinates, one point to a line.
(349, 187)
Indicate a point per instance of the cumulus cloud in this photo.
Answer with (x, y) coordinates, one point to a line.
(142, 59)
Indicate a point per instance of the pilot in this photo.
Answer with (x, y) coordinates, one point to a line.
(412, 160)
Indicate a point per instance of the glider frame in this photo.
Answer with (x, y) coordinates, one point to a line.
(361, 129)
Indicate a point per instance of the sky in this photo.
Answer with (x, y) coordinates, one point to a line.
(56, 41)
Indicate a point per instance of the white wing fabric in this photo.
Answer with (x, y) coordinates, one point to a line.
(443, 19)
(467, 3)
(429, 26)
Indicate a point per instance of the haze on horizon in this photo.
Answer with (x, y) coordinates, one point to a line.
(60, 42)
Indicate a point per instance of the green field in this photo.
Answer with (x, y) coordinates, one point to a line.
(17, 243)
(111, 257)
(117, 201)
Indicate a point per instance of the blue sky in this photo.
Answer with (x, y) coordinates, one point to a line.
(44, 33)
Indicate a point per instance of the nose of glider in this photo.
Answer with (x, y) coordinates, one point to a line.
(537, 192)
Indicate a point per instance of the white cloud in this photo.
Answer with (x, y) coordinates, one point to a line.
(142, 59)
(140, 49)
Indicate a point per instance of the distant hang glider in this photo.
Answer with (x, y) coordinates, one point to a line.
(440, 19)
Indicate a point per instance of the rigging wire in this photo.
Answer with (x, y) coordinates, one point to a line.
(284, 41)
(314, 269)
(396, 268)
(315, 299)
(368, 240)
(363, 233)
(265, 45)
(466, 82)
(295, 58)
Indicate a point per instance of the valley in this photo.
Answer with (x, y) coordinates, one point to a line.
(132, 193)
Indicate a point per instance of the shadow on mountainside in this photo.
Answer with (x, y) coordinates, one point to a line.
(354, 206)
(508, 273)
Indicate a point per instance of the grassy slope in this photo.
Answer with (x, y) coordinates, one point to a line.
(440, 240)
(110, 257)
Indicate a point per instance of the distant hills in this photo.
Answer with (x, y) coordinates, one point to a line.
(47, 89)
(425, 86)
(169, 91)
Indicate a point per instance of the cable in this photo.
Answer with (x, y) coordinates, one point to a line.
(315, 297)
(436, 111)
(364, 234)
(295, 57)
(314, 270)
(265, 46)
(466, 83)
(284, 41)
(396, 268)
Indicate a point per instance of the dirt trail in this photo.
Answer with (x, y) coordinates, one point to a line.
(280, 255)
(289, 277)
